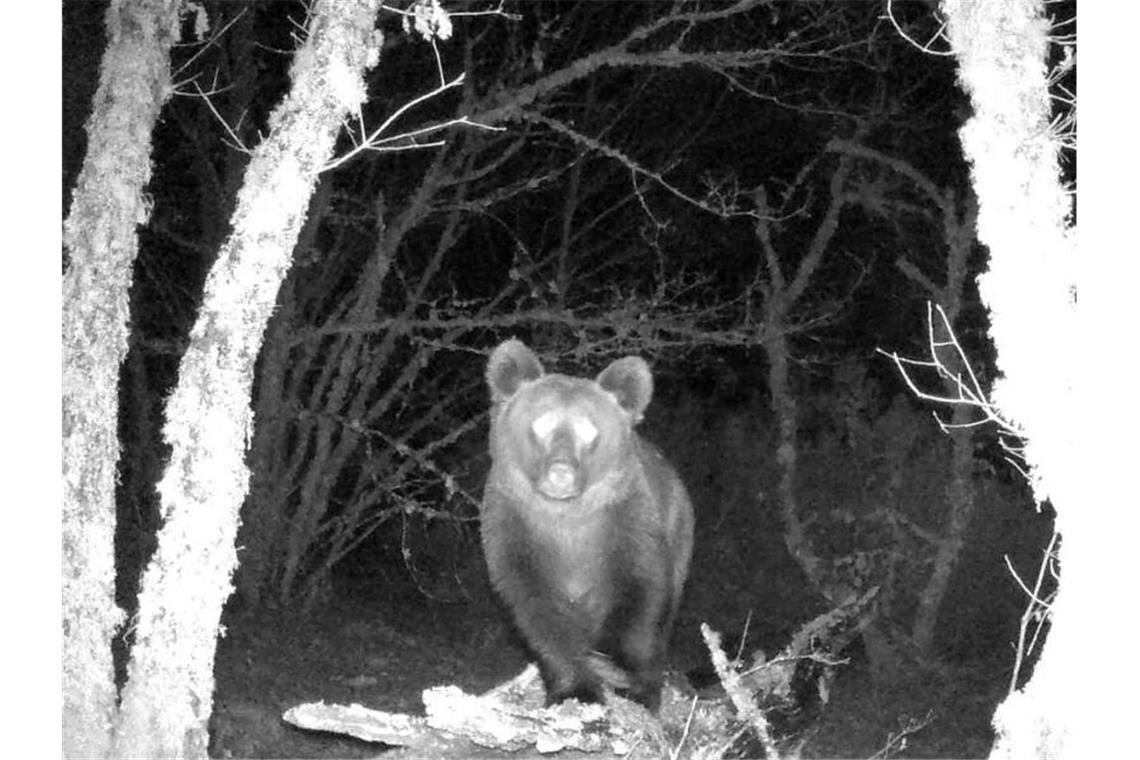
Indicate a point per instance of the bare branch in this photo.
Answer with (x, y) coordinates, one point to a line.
(969, 389)
(926, 47)
(920, 180)
(824, 232)
(217, 36)
(1038, 609)
(633, 166)
(621, 54)
(915, 274)
(374, 141)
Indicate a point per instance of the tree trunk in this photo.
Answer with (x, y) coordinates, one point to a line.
(1023, 218)
(267, 509)
(781, 296)
(101, 246)
(951, 538)
(958, 222)
(959, 231)
(168, 697)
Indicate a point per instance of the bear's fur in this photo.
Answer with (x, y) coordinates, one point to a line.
(587, 529)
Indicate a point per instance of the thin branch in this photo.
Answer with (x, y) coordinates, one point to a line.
(916, 275)
(896, 741)
(824, 232)
(1037, 608)
(675, 753)
(619, 54)
(235, 141)
(921, 181)
(630, 163)
(209, 43)
(969, 389)
(925, 48)
(373, 140)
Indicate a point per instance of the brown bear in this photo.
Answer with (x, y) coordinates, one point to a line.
(587, 529)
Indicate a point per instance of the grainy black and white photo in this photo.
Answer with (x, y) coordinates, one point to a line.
(616, 378)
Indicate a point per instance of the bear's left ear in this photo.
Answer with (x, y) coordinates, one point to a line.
(511, 364)
(631, 383)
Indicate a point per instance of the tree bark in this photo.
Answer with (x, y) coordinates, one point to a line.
(168, 697)
(1024, 219)
(101, 246)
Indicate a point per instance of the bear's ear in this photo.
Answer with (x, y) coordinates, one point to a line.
(511, 364)
(630, 382)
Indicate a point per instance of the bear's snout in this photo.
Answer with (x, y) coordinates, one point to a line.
(560, 481)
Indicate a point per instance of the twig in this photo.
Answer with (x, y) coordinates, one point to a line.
(237, 144)
(970, 391)
(1036, 608)
(373, 140)
(211, 41)
(896, 742)
(940, 34)
(675, 753)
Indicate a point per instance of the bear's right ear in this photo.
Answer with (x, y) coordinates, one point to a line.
(511, 364)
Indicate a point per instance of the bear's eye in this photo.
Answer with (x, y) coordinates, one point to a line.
(544, 425)
(585, 431)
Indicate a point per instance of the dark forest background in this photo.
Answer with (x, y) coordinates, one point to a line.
(648, 175)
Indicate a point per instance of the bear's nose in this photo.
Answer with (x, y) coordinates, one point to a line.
(561, 481)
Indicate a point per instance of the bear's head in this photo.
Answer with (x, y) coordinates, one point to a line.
(564, 434)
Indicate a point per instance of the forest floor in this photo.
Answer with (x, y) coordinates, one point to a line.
(383, 652)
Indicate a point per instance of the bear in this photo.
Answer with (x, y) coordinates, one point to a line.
(587, 530)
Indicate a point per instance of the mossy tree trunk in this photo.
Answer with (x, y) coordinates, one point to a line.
(102, 243)
(168, 697)
(1024, 219)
